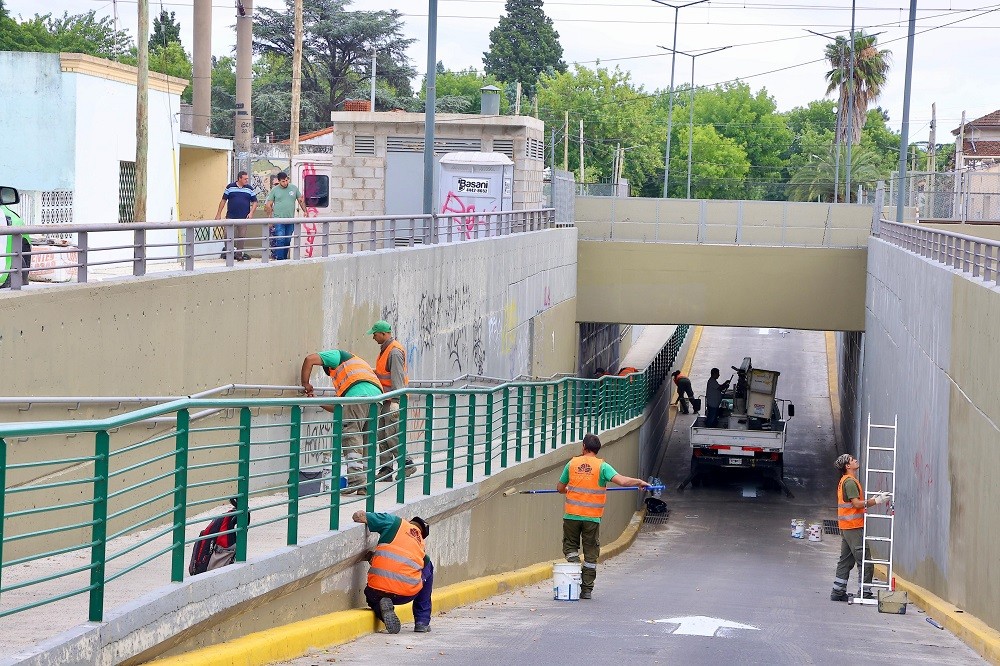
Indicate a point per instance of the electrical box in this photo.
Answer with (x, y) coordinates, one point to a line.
(473, 183)
(760, 398)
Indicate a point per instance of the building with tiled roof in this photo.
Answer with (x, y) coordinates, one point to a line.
(981, 141)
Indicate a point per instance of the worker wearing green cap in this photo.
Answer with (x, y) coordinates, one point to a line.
(391, 371)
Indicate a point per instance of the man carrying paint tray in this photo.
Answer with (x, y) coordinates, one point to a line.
(584, 482)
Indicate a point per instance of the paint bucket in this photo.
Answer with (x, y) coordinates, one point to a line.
(815, 531)
(798, 528)
(566, 581)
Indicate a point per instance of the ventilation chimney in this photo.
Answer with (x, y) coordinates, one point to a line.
(490, 104)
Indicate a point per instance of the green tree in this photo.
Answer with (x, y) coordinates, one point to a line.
(615, 112)
(463, 88)
(870, 69)
(523, 46)
(85, 33)
(814, 179)
(719, 165)
(13, 36)
(336, 54)
(223, 96)
(165, 30)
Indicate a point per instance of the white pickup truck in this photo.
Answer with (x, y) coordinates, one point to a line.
(750, 432)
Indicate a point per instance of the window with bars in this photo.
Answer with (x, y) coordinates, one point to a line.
(126, 192)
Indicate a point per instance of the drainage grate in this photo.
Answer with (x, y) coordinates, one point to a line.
(656, 518)
(830, 527)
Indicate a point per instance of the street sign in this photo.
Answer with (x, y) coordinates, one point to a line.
(700, 625)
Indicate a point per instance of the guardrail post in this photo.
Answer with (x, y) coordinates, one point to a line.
(520, 422)
(336, 470)
(372, 456)
(452, 414)
(189, 247)
(532, 411)
(545, 417)
(488, 463)
(3, 493)
(243, 486)
(401, 447)
(975, 259)
(99, 530)
(17, 262)
(373, 240)
(350, 237)
(230, 249)
(565, 410)
(294, 451)
(470, 447)
(82, 255)
(555, 416)
(296, 243)
(325, 226)
(505, 427)
(428, 441)
(180, 494)
(139, 252)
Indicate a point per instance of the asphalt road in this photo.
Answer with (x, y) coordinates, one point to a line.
(720, 582)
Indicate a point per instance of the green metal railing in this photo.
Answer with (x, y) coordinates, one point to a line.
(131, 499)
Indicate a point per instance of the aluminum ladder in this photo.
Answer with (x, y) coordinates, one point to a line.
(880, 520)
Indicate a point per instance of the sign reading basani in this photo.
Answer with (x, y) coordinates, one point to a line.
(473, 186)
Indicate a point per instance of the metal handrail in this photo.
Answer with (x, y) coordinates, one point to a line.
(313, 237)
(118, 488)
(977, 257)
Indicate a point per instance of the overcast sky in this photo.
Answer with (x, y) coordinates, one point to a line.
(954, 65)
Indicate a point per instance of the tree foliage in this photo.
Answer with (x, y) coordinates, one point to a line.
(870, 73)
(523, 46)
(336, 53)
(69, 33)
(462, 91)
(166, 30)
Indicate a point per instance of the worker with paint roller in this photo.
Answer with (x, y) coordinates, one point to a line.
(584, 482)
(851, 506)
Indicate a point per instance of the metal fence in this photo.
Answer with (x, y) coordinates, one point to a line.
(967, 195)
(978, 257)
(86, 503)
(185, 242)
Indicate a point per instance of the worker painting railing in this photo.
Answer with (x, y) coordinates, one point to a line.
(87, 503)
(137, 248)
(978, 257)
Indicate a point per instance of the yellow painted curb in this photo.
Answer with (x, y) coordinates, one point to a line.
(834, 384)
(689, 358)
(970, 630)
(294, 640)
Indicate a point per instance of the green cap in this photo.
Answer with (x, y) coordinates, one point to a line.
(381, 326)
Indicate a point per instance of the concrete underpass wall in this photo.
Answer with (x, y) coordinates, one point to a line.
(930, 357)
(475, 531)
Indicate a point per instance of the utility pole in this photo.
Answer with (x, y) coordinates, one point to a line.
(142, 116)
(583, 178)
(904, 138)
(850, 112)
(931, 145)
(201, 74)
(293, 132)
(429, 108)
(614, 169)
(243, 136)
(566, 141)
(552, 155)
(374, 65)
(517, 100)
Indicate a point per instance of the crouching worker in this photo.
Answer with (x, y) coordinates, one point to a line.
(584, 481)
(400, 570)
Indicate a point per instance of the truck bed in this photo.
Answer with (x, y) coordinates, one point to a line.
(737, 441)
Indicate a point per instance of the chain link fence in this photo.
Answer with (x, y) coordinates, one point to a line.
(950, 195)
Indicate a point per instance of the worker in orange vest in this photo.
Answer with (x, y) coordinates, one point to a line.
(584, 481)
(685, 392)
(352, 377)
(851, 505)
(400, 570)
(391, 370)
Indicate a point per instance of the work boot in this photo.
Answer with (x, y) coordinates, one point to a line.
(421, 628)
(384, 473)
(410, 470)
(838, 596)
(389, 617)
(585, 594)
(575, 559)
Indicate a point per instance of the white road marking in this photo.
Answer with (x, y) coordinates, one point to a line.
(700, 625)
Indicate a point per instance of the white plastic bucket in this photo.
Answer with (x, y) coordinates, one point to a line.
(798, 528)
(566, 581)
(815, 531)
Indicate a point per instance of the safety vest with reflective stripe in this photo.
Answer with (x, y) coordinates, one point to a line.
(848, 517)
(397, 565)
(382, 366)
(349, 373)
(584, 495)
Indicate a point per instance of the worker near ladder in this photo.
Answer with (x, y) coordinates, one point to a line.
(400, 570)
(391, 370)
(851, 505)
(584, 482)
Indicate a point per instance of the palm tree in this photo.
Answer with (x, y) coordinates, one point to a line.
(813, 181)
(870, 68)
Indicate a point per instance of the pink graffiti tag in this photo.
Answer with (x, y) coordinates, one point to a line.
(453, 204)
(309, 228)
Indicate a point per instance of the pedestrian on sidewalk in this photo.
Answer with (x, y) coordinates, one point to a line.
(683, 385)
(584, 481)
(391, 370)
(851, 507)
(240, 202)
(400, 571)
(352, 378)
(280, 203)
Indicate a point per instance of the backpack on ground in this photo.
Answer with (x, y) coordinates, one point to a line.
(213, 550)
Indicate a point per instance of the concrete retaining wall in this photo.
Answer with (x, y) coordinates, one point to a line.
(930, 357)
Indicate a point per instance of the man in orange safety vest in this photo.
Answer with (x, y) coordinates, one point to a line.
(851, 505)
(584, 482)
(392, 375)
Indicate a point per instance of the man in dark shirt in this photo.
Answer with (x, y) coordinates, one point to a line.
(240, 202)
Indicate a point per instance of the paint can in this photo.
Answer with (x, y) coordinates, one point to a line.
(798, 528)
(815, 531)
(566, 581)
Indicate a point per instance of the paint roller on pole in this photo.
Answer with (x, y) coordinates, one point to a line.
(655, 489)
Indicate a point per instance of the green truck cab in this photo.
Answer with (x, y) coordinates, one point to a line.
(8, 197)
